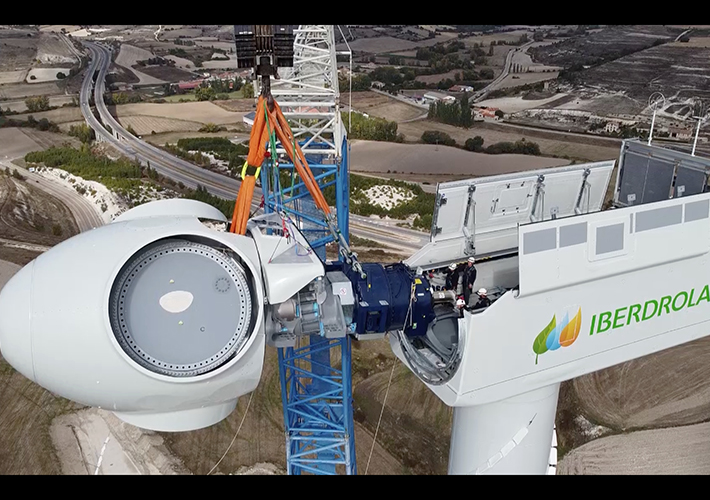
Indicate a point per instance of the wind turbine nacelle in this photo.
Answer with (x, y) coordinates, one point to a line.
(156, 317)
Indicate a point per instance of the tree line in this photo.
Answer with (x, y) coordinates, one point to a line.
(31, 122)
(475, 144)
(371, 128)
(456, 113)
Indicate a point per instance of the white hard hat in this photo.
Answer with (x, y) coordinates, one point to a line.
(482, 291)
(460, 303)
(452, 266)
(471, 260)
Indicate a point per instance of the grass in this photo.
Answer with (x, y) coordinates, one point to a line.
(364, 242)
(176, 98)
(191, 97)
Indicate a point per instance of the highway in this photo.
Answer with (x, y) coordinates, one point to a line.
(191, 175)
(84, 213)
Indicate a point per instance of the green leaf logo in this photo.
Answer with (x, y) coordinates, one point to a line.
(540, 343)
(556, 335)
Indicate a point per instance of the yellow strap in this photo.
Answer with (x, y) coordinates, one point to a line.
(244, 170)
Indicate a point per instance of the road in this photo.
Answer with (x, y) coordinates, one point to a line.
(84, 213)
(191, 175)
(506, 70)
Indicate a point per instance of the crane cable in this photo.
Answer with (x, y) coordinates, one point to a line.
(374, 439)
(235, 435)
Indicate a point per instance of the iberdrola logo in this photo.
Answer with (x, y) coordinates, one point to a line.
(557, 335)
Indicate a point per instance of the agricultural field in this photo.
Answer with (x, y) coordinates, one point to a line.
(213, 44)
(130, 55)
(21, 107)
(17, 142)
(12, 76)
(16, 53)
(202, 112)
(678, 70)
(677, 451)
(66, 126)
(516, 104)
(487, 38)
(630, 396)
(181, 62)
(560, 145)
(599, 102)
(604, 45)
(381, 106)
(181, 32)
(388, 44)
(42, 75)
(518, 79)
(430, 159)
(166, 73)
(57, 28)
(438, 77)
(146, 125)
(237, 103)
(230, 63)
(22, 90)
(702, 42)
(172, 137)
(61, 115)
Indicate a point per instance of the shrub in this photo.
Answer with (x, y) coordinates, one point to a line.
(437, 137)
(474, 144)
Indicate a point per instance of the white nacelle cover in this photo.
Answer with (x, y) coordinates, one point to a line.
(489, 209)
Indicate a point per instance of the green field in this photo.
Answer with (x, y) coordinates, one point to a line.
(191, 97)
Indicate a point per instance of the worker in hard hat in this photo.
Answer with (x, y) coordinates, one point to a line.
(482, 299)
(452, 278)
(460, 305)
(469, 278)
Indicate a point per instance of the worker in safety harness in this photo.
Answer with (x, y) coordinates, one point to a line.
(482, 299)
(452, 278)
(469, 278)
(460, 306)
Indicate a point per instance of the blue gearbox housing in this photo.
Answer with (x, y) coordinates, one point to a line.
(390, 298)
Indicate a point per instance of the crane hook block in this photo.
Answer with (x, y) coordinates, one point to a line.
(254, 41)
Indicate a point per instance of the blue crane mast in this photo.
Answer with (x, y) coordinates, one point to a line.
(315, 371)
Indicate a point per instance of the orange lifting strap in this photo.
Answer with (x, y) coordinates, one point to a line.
(265, 123)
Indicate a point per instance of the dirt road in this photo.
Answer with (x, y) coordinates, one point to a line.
(84, 212)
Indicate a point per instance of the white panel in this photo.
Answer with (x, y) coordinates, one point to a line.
(598, 257)
(451, 212)
(501, 203)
